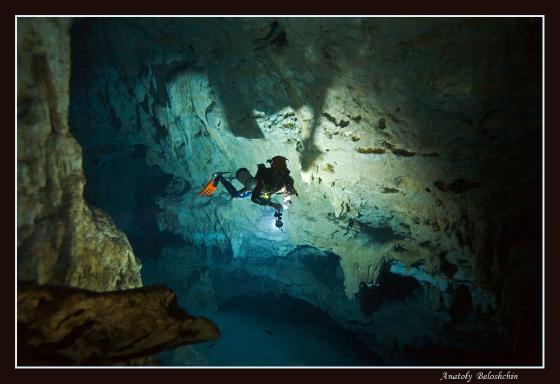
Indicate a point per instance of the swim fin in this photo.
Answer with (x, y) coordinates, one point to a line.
(212, 185)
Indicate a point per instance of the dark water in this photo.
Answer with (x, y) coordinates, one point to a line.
(269, 331)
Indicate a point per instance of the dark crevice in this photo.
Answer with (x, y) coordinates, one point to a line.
(391, 287)
(457, 186)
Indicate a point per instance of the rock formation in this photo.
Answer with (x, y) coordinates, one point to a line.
(61, 239)
(415, 146)
(70, 326)
(64, 241)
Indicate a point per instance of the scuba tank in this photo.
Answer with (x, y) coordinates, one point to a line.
(245, 178)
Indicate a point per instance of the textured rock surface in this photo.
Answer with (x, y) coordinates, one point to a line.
(62, 325)
(414, 145)
(61, 239)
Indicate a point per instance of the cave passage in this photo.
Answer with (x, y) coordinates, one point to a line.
(414, 145)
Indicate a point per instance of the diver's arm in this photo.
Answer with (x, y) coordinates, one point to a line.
(259, 200)
(256, 197)
(262, 201)
(290, 186)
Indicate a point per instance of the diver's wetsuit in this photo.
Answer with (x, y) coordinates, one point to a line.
(271, 181)
(235, 194)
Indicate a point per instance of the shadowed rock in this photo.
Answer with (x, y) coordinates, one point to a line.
(69, 326)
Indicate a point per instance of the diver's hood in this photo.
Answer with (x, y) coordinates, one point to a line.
(278, 163)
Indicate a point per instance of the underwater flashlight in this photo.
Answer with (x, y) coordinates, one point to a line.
(278, 223)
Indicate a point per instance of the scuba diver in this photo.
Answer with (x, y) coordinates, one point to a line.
(268, 181)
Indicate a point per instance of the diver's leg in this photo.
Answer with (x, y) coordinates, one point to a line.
(230, 188)
(243, 193)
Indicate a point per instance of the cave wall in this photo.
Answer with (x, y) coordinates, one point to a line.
(61, 239)
(76, 271)
(414, 145)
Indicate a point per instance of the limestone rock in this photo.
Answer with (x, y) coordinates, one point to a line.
(61, 239)
(63, 325)
(306, 88)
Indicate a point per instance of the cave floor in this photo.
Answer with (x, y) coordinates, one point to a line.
(250, 338)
